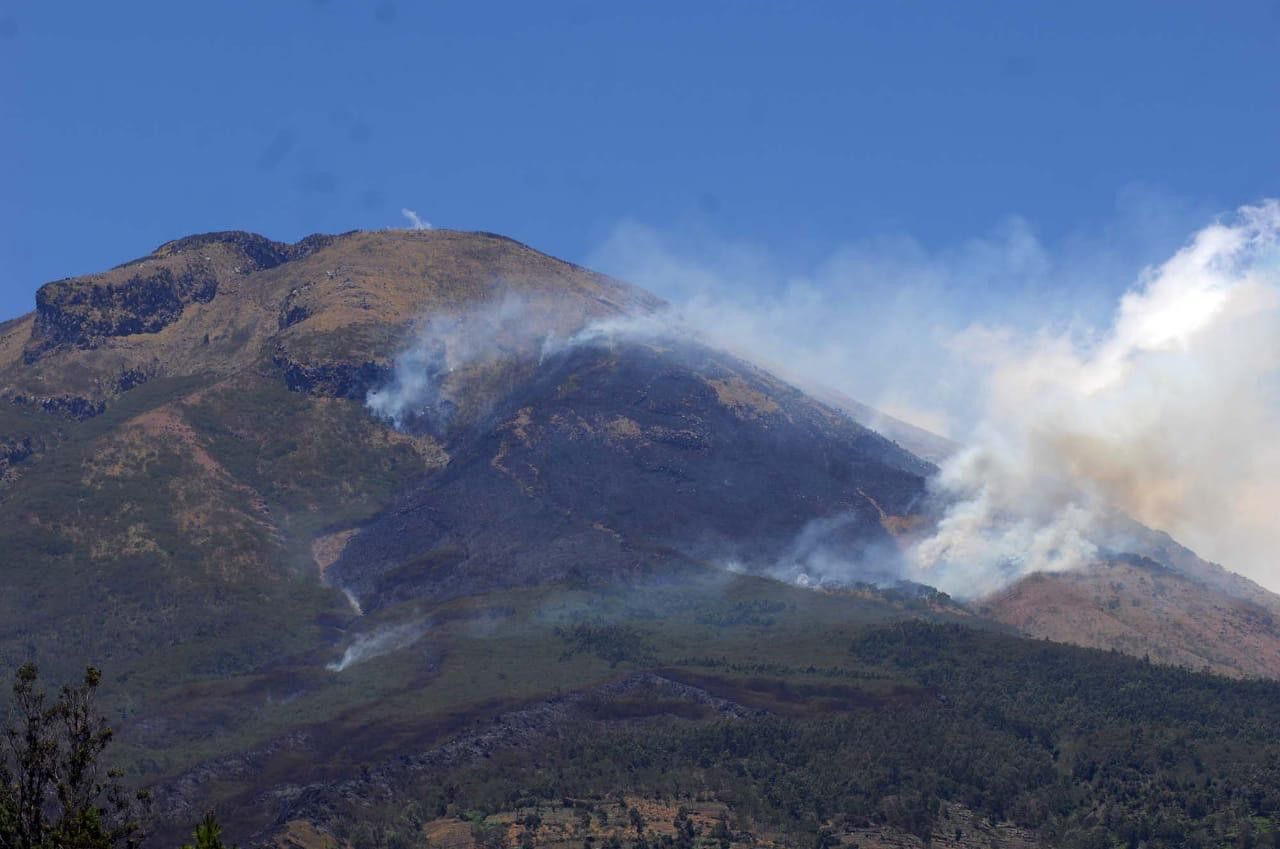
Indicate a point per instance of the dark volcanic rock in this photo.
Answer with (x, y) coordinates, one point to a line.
(66, 406)
(612, 461)
(15, 449)
(263, 252)
(330, 379)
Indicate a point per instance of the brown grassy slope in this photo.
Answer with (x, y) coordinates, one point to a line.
(1139, 608)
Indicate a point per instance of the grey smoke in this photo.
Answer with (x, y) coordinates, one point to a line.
(380, 641)
(1167, 413)
(831, 551)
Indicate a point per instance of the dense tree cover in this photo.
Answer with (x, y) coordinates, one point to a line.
(1089, 749)
(54, 791)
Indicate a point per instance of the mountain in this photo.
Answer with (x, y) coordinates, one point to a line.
(1142, 607)
(194, 488)
(345, 516)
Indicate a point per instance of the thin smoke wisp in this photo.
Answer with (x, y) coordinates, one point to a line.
(441, 349)
(415, 222)
(378, 642)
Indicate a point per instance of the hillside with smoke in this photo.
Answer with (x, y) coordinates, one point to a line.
(1164, 409)
(1170, 415)
(381, 640)
(441, 349)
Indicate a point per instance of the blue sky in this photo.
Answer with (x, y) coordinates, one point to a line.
(796, 128)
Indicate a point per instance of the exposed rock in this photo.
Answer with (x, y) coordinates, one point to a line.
(148, 294)
(292, 312)
(263, 252)
(333, 379)
(66, 406)
(131, 378)
(13, 450)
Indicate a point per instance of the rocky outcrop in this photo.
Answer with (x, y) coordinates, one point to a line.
(261, 251)
(71, 312)
(66, 406)
(15, 450)
(148, 294)
(330, 379)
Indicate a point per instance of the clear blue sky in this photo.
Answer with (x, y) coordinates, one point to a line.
(795, 126)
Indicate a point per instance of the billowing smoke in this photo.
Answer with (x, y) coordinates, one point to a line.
(379, 641)
(1163, 406)
(1170, 415)
(1085, 381)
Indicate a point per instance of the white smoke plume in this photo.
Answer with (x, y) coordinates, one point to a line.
(379, 641)
(434, 375)
(647, 327)
(1170, 415)
(415, 222)
(444, 346)
(353, 602)
(1084, 380)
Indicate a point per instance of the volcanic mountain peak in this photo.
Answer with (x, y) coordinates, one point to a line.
(330, 310)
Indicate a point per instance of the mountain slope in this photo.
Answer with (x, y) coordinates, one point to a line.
(614, 456)
(1141, 607)
(177, 429)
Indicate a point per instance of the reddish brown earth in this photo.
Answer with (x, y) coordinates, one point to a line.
(1140, 608)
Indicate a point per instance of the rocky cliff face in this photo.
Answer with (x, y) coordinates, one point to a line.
(149, 294)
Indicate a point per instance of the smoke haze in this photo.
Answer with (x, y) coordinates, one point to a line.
(1079, 386)
(1169, 414)
(1076, 396)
